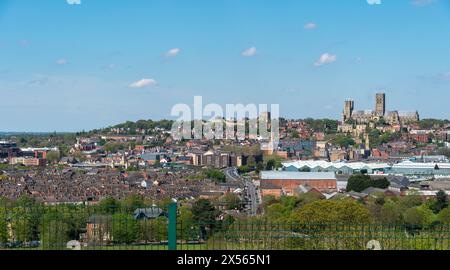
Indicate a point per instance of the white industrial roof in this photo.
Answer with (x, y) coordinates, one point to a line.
(338, 165)
(418, 165)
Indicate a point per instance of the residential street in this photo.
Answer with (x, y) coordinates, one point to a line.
(251, 196)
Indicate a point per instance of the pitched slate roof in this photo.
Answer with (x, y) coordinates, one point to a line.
(148, 213)
(372, 190)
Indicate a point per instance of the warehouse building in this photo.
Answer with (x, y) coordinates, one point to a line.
(288, 182)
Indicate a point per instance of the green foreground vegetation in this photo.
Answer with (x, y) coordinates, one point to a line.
(303, 222)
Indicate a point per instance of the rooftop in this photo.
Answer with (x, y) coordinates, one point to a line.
(421, 165)
(338, 165)
(284, 175)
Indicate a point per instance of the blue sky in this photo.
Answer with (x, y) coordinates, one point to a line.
(72, 67)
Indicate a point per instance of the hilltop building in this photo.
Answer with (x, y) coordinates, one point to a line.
(380, 106)
(367, 116)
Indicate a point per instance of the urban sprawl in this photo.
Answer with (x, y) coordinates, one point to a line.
(367, 155)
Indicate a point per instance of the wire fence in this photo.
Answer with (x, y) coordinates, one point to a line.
(95, 228)
(83, 227)
(283, 236)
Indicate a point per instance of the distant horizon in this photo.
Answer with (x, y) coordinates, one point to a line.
(3, 133)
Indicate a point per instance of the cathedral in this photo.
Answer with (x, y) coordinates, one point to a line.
(367, 116)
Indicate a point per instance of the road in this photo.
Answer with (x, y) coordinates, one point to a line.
(251, 196)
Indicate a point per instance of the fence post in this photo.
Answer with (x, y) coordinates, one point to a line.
(172, 226)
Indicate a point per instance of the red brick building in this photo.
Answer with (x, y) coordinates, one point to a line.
(420, 138)
(289, 181)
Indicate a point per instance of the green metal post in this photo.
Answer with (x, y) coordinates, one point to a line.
(173, 226)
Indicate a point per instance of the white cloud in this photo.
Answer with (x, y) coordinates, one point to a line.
(374, 2)
(143, 83)
(325, 58)
(61, 61)
(74, 2)
(173, 52)
(249, 52)
(310, 26)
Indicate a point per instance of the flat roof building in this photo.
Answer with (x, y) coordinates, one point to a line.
(289, 181)
(336, 167)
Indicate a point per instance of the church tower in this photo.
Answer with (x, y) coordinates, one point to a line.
(380, 106)
(349, 106)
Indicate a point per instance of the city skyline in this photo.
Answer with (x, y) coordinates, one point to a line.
(79, 65)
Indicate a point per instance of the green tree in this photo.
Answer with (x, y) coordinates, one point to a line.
(444, 216)
(189, 228)
(276, 213)
(133, 202)
(322, 125)
(330, 212)
(54, 231)
(290, 202)
(2, 176)
(251, 161)
(358, 182)
(53, 156)
(75, 217)
(153, 230)
(343, 141)
(410, 201)
(419, 217)
(244, 169)
(269, 200)
(232, 201)
(63, 150)
(216, 175)
(390, 213)
(382, 183)
(4, 237)
(109, 205)
(113, 147)
(163, 203)
(259, 167)
(205, 214)
(273, 162)
(26, 201)
(24, 226)
(25, 219)
(309, 197)
(431, 123)
(270, 165)
(441, 202)
(125, 229)
(204, 211)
